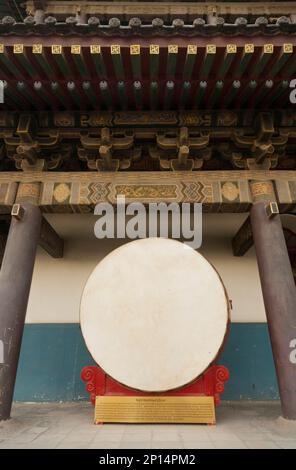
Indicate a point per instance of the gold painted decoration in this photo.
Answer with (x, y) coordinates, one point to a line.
(18, 49)
(227, 119)
(56, 49)
(144, 191)
(191, 49)
(75, 49)
(1, 48)
(196, 119)
(249, 48)
(96, 119)
(37, 48)
(268, 48)
(231, 48)
(262, 190)
(154, 49)
(95, 49)
(172, 49)
(155, 409)
(115, 49)
(288, 48)
(64, 119)
(211, 49)
(198, 191)
(135, 49)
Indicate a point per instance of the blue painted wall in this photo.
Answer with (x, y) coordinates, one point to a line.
(53, 355)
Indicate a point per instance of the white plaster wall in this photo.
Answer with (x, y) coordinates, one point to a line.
(58, 283)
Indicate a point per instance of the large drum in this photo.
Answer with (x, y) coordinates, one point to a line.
(154, 314)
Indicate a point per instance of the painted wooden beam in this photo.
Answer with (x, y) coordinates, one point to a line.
(154, 60)
(115, 50)
(135, 56)
(78, 58)
(58, 56)
(4, 228)
(265, 56)
(285, 54)
(218, 191)
(243, 239)
(50, 241)
(154, 95)
(122, 94)
(165, 9)
(210, 55)
(138, 94)
(39, 55)
(106, 93)
(189, 61)
(168, 94)
(229, 56)
(172, 57)
(201, 91)
(247, 55)
(98, 61)
(90, 93)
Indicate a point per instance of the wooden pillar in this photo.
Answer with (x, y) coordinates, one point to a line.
(15, 282)
(279, 292)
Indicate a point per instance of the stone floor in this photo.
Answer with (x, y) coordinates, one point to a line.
(240, 425)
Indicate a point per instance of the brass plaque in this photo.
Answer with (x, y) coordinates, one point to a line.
(180, 409)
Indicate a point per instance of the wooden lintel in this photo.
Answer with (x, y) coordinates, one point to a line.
(243, 239)
(50, 241)
(79, 192)
(175, 9)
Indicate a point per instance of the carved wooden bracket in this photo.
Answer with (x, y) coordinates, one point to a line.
(182, 151)
(99, 152)
(33, 150)
(264, 145)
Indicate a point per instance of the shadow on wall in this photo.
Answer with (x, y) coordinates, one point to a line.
(53, 355)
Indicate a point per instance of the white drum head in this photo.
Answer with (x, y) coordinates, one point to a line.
(154, 314)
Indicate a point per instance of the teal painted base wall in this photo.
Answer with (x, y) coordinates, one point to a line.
(53, 355)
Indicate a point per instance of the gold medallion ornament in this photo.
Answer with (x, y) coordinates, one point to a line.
(61, 193)
(230, 191)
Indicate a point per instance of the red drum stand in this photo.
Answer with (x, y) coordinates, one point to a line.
(209, 384)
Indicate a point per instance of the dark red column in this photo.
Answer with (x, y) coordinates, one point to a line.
(279, 293)
(15, 282)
